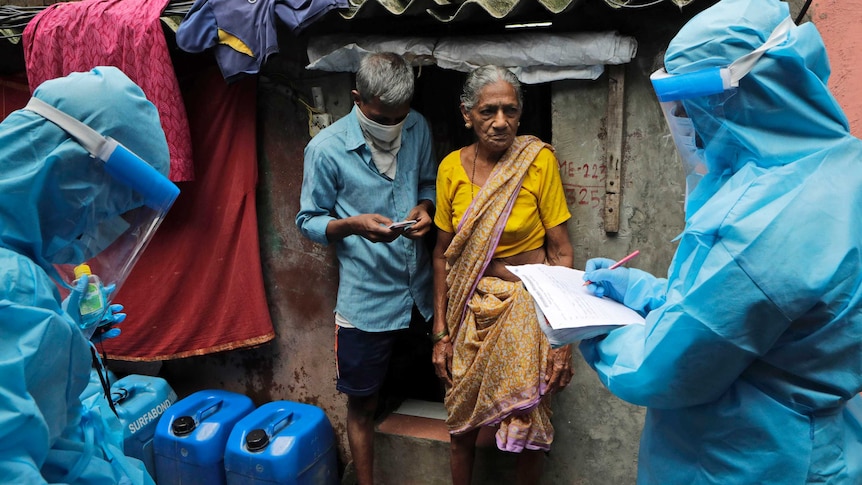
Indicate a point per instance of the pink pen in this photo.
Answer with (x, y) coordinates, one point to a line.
(619, 263)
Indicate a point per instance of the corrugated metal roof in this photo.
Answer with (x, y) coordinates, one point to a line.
(13, 18)
(445, 11)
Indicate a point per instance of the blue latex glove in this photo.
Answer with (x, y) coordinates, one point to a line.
(108, 326)
(634, 288)
(612, 283)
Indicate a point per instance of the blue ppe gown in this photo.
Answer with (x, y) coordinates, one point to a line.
(752, 346)
(52, 192)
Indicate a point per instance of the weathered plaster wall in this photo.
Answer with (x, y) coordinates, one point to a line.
(838, 22)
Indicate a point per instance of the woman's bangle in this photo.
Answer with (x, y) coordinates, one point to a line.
(436, 337)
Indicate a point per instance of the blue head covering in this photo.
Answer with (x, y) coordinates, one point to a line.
(51, 190)
(782, 110)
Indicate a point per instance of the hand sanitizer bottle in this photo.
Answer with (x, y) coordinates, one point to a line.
(93, 303)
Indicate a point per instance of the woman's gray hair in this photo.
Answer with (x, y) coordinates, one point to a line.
(385, 75)
(483, 76)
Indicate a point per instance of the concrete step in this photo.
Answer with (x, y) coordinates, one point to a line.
(411, 447)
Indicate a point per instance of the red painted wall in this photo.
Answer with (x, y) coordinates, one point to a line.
(839, 23)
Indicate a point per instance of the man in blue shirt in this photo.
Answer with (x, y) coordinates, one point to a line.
(363, 173)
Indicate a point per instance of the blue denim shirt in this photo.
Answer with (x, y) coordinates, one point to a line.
(378, 282)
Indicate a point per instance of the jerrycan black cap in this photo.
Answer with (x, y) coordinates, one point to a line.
(183, 425)
(256, 440)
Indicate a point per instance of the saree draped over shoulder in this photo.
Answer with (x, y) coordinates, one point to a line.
(500, 353)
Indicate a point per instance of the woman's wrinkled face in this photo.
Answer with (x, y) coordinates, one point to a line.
(495, 116)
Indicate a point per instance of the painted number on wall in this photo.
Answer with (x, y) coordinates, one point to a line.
(584, 183)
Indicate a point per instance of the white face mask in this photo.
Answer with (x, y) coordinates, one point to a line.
(383, 133)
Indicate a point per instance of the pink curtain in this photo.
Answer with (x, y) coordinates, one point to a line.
(78, 36)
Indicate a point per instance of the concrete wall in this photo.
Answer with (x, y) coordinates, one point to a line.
(837, 22)
(597, 434)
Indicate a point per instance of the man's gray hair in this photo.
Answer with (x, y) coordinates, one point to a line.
(483, 76)
(385, 75)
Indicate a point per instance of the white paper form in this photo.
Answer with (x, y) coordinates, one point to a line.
(560, 294)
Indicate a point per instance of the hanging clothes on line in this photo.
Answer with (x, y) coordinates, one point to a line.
(244, 34)
(78, 36)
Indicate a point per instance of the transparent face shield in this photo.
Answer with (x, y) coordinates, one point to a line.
(119, 222)
(689, 146)
(709, 89)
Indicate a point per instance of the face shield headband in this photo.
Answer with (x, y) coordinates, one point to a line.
(716, 83)
(113, 239)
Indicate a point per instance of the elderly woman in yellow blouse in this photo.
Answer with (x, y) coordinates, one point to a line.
(500, 202)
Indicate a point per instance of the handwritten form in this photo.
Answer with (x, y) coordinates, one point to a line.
(572, 312)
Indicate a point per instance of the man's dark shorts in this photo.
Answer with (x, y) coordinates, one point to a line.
(362, 359)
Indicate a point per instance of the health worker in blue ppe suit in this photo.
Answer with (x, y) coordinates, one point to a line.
(70, 194)
(752, 345)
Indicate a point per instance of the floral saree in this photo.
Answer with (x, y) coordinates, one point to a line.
(500, 352)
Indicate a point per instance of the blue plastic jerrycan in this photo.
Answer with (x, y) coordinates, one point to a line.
(191, 437)
(140, 401)
(282, 442)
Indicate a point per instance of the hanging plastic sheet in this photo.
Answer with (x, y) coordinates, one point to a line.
(533, 57)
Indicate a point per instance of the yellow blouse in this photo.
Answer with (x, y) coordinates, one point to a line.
(541, 202)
